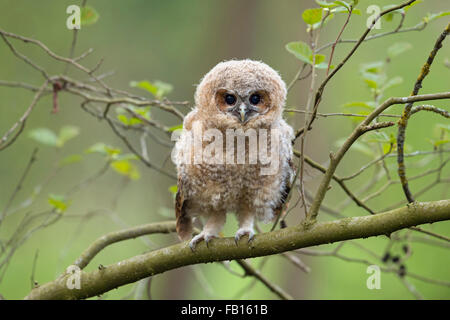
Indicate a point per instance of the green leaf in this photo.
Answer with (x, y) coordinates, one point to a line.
(433, 16)
(373, 74)
(388, 17)
(319, 58)
(158, 88)
(374, 81)
(163, 88)
(372, 67)
(145, 85)
(437, 143)
(44, 136)
(300, 50)
(88, 16)
(59, 202)
(144, 112)
(371, 83)
(74, 158)
(360, 104)
(324, 65)
(48, 137)
(343, 4)
(412, 5)
(378, 137)
(173, 189)
(102, 148)
(304, 53)
(312, 16)
(387, 147)
(344, 10)
(67, 133)
(392, 83)
(325, 21)
(325, 4)
(177, 127)
(398, 48)
(126, 168)
(124, 119)
(390, 6)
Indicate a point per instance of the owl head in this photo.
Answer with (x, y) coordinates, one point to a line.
(241, 93)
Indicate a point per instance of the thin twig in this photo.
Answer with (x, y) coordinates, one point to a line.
(19, 184)
(403, 122)
(249, 270)
(22, 119)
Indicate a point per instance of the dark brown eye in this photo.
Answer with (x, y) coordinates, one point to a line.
(255, 99)
(230, 99)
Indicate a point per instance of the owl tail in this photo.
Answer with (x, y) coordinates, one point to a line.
(184, 228)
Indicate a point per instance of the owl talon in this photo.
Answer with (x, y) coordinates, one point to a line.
(242, 232)
(198, 238)
(208, 239)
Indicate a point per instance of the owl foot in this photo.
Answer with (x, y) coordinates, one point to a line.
(198, 238)
(242, 232)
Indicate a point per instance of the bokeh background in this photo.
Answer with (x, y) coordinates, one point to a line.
(177, 42)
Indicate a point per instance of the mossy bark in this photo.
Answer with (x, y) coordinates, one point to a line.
(127, 271)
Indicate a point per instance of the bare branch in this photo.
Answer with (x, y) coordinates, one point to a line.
(403, 122)
(336, 158)
(113, 237)
(22, 120)
(249, 270)
(287, 239)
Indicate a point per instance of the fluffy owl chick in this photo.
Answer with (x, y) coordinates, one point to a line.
(217, 173)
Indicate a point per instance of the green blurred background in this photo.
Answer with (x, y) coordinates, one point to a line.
(178, 42)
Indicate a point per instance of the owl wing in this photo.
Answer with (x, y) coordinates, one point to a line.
(288, 135)
(183, 221)
(286, 190)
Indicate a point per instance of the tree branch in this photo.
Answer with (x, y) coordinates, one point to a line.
(249, 270)
(113, 237)
(359, 130)
(403, 122)
(291, 238)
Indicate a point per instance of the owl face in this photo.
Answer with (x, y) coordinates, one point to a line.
(241, 93)
(243, 107)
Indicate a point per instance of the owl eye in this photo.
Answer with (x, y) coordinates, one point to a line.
(255, 99)
(230, 99)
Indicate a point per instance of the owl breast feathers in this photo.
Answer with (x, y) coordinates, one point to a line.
(234, 154)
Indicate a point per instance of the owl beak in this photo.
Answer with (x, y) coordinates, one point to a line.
(243, 112)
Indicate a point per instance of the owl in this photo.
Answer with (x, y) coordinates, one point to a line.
(237, 117)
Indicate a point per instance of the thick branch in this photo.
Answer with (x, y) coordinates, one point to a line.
(113, 237)
(127, 271)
